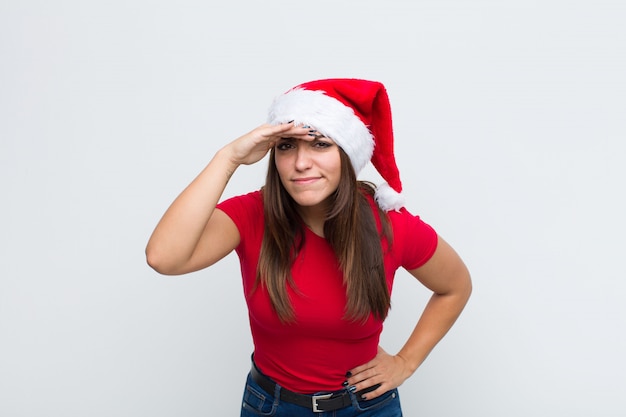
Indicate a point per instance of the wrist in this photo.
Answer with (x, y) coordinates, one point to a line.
(409, 366)
(227, 160)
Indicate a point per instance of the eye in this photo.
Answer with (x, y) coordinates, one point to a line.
(321, 144)
(285, 144)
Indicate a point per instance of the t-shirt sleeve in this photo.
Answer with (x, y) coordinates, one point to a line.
(245, 211)
(414, 241)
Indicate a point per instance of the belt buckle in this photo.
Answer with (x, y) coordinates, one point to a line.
(314, 399)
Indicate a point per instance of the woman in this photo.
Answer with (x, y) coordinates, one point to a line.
(318, 252)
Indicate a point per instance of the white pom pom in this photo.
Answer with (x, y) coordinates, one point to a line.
(388, 199)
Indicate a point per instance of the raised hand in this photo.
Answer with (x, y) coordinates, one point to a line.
(254, 145)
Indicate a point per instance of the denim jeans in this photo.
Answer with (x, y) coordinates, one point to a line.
(257, 402)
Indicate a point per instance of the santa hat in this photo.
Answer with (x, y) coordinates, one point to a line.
(354, 113)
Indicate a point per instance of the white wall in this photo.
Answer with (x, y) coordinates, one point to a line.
(510, 132)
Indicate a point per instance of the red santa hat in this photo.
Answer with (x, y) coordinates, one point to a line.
(354, 113)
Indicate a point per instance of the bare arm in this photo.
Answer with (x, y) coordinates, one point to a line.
(192, 234)
(446, 275)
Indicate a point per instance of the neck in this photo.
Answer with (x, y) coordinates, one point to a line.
(314, 218)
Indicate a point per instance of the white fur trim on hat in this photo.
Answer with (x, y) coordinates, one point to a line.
(388, 199)
(330, 117)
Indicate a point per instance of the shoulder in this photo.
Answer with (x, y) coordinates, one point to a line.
(250, 200)
(399, 220)
(403, 221)
(244, 209)
(414, 240)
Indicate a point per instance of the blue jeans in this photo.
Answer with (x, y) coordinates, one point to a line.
(257, 402)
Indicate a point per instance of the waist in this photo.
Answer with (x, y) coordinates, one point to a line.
(318, 402)
(311, 370)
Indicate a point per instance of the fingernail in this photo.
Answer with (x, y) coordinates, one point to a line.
(348, 374)
(363, 397)
(311, 134)
(291, 121)
(345, 383)
(352, 388)
(306, 127)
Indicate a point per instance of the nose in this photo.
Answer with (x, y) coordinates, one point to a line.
(303, 158)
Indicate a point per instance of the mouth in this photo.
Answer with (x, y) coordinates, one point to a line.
(304, 180)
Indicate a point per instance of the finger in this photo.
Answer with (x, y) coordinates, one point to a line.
(370, 395)
(301, 129)
(369, 386)
(364, 379)
(272, 130)
(288, 130)
(291, 125)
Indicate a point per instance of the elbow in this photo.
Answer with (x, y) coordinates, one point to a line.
(460, 288)
(158, 262)
(467, 286)
(153, 261)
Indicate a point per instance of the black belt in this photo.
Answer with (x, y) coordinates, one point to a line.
(316, 403)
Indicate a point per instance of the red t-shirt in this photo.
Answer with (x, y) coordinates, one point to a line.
(314, 353)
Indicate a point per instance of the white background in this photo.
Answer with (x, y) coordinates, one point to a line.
(510, 137)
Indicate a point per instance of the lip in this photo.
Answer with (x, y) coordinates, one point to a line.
(305, 180)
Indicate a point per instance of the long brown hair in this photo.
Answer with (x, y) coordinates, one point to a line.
(351, 230)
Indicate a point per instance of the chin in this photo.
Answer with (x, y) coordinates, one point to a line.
(310, 200)
(307, 202)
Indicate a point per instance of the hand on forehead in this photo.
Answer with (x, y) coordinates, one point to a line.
(308, 134)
